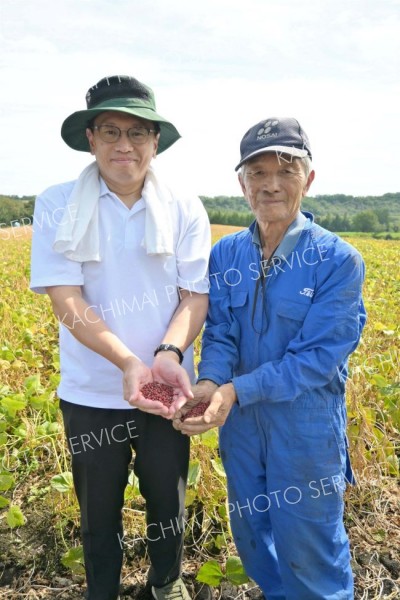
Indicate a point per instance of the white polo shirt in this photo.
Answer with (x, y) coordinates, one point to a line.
(135, 294)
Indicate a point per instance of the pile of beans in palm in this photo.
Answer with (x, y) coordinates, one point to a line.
(158, 391)
(196, 411)
(165, 394)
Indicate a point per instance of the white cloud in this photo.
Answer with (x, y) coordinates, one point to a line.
(217, 67)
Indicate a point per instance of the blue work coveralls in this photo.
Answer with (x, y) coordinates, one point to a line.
(281, 332)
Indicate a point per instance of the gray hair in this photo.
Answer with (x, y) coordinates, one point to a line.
(305, 162)
(307, 165)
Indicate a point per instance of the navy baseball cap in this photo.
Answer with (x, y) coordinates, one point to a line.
(284, 136)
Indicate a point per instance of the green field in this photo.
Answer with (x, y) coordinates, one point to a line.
(382, 235)
(40, 547)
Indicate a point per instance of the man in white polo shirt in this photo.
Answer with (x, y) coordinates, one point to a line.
(124, 261)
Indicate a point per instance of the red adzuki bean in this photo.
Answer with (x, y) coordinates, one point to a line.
(158, 391)
(196, 411)
(165, 393)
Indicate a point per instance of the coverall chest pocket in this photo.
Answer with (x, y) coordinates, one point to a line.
(238, 301)
(291, 316)
(239, 307)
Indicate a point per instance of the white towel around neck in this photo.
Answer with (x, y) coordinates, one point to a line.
(77, 236)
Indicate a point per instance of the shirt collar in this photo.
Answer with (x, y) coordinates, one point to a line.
(103, 188)
(105, 191)
(291, 237)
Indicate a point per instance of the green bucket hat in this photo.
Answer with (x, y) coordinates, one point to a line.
(119, 93)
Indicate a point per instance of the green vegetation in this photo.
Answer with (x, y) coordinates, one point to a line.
(39, 524)
(14, 209)
(379, 235)
(336, 212)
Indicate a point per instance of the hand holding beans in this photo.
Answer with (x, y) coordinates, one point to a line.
(160, 392)
(215, 415)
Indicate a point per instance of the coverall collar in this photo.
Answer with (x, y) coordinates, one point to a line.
(291, 237)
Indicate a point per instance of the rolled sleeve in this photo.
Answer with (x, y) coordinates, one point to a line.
(49, 268)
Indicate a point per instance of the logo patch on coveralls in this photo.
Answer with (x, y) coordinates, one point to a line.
(307, 292)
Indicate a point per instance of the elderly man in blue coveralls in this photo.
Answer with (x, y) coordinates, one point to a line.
(285, 313)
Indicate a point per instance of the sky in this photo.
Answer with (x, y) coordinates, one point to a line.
(217, 67)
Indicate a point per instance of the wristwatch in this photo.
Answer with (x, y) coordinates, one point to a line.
(166, 348)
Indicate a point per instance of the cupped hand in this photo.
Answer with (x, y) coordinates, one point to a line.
(166, 369)
(221, 402)
(202, 393)
(135, 375)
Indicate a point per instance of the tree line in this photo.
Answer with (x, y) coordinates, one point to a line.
(334, 212)
(376, 220)
(15, 210)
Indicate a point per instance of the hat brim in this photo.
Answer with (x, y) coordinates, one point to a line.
(279, 150)
(73, 130)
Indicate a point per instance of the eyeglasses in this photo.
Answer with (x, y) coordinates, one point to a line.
(112, 133)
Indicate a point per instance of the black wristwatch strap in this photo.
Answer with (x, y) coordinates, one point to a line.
(166, 348)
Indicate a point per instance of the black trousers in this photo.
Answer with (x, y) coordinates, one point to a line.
(101, 443)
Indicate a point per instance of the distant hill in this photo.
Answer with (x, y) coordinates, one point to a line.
(336, 212)
(15, 209)
(17, 198)
(350, 205)
(319, 205)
